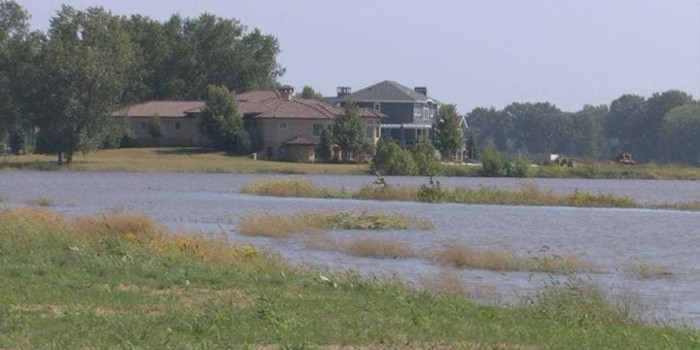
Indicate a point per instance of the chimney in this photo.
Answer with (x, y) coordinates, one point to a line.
(344, 90)
(287, 92)
(421, 90)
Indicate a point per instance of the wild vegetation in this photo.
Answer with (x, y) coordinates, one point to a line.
(123, 282)
(462, 256)
(527, 194)
(285, 225)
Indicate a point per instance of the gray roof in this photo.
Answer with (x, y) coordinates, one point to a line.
(387, 91)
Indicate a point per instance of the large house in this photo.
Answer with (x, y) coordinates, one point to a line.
(410, 112)
(285, 126)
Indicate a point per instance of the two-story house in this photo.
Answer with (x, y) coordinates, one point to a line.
(410, 112)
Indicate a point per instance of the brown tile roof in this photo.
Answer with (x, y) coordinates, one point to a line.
(300, 140)
(257, 95)
(254, 104)
(163, 109)
(282, 108)
(271, 105)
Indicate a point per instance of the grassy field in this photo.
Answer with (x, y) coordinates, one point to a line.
(528, 194)
(121, 282)
(174, 160)
(199, 160)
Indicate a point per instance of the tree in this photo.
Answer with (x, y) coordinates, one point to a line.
(222, 123)
(492, 126)
(83, 73)
(13, 35)
(309, 93)
(391, 159)
(447, 132)
(624, 121)
(656, 108)
(678, 135)
(325, 145)
(587, 131)
(155, 127)
(348, 131)
(424, 157)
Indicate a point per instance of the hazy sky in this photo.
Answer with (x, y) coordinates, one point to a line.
(471, 53)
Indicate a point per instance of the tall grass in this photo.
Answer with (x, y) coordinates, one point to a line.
(527, 194)
(286, 225)
(576, 302)
(462, 256)
(121, 282)
(378, 248)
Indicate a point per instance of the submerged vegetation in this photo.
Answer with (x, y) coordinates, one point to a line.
(285, 225)
(122, 281)
(527, 194)
(462, 256)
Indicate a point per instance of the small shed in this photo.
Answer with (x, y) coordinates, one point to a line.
(300, 149)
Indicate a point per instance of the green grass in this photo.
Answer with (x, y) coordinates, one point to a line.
(527, 194)
(121, 282)
(195, 160)
(201, 160)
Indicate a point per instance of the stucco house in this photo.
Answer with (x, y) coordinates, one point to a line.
(283, 126)
(179, 123)
(287, 124)
(410, 112)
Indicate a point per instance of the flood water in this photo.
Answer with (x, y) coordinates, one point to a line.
(612, 239)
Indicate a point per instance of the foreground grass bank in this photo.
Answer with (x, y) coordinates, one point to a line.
(122, 282)
(528, 194)
(198, 160)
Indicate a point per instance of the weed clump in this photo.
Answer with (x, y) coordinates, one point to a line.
(286, 225)
(377, 248)
(462, 256)
(575, 302)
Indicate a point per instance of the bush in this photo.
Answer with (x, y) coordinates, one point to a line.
(424, 157)
(492, 164)
(520, 168)
(17, 140)
(392, 160)
(155, 127)
(431, 192)
(495, 164)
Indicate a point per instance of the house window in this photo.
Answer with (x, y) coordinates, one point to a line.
(283, 125)
(143, 125)
(177, 125)
(377, 106)
(316, 129)
(369, 131)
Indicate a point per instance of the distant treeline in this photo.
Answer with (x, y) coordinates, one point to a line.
(67, 80)
(662, 128)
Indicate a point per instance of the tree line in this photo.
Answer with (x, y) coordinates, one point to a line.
(662, 128)
(66, 81)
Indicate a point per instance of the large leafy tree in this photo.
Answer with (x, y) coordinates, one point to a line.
(447, 132)
(492, 126)
(587, 131)
(679, 132)
(539, 128)
(656, 108)
(221, 121)
(625, 121)
(348, 131)
(84, 71)
(180, 58)
(18, 51)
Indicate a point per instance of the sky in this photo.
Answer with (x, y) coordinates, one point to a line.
(470, 53)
